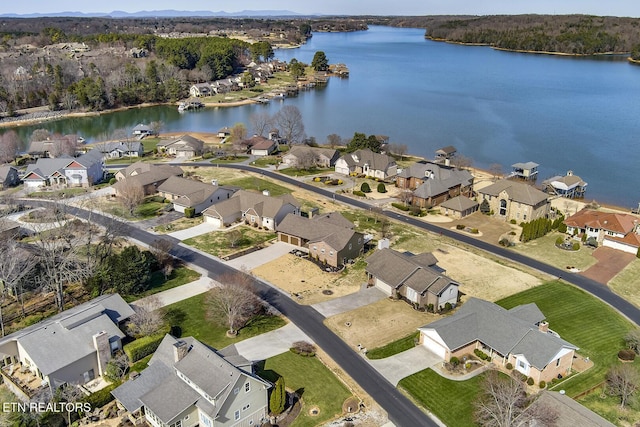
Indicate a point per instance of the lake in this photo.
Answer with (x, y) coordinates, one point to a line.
(565, 113)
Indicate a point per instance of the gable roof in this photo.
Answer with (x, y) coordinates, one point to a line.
(503, 330)
(438, 176)
(301, 150)
(184, 143)
(619, 223)
(90, 158)
(331, 229)
(243, 200)
(127, 147)
(189, 191)
(5, 170)
(376, 161)
(46, 167)
(459, 203)
(144, 173)
(517, 191)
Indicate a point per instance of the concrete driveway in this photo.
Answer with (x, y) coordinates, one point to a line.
(170, 296)
(194, 231)
(263, 256)
(271, 343)
(407, 363)
(364, 296)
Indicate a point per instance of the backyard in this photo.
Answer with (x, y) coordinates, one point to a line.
(219, 243)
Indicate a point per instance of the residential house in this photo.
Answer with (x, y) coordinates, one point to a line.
(257, 145)
(434, 183)
(119, 149)
(329, 237)
(141, 130)
(67, 145)
(518, 336)
(184, 147)
(570, 186)
(224, 133)
(613, 230)
(189, 384)
(445, 154)
(8, 176)
(145, 175)
(200, 89)
(72, 347)
(254, 208)
(366, 162)
(415, 278)
(458, 207)
(303, 156)
(515, 200)
(525, 171)
(84, 171)
(189, 193)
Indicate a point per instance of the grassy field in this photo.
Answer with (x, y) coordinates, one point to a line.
(266, 161)
(450, 401)
(627, 282)
(178, 277)
(398, 346)
(217, 243)
(310, 378)
(190, 316)
(597, 329)
(608, 407)
(234, 159)
(67, 192)
(179, 224)
(305, 172)
(545, 250)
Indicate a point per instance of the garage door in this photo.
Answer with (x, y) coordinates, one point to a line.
(383, 286)
(284, 238)
(434, 347)
(212, 220)
(295, 241)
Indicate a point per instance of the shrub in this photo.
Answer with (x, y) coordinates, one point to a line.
(382, 188)
(583, 238)
(504, 242)
(454, 361)
(359, 193)
(448, 306)
(101, 397)
(303, 348)
(562, 227)
(460, 227)
(627, 354)
(481, 354)
(316, 179)
(400, 206)
(559, 240)
(509, 366)
(189, 212)
(365, 187)
(530, 381)
(158, 199)
(142, 347)
(340, 182)
(112, 181)
(513, 221)
(474, 231)
(542, 384)
(576, 246)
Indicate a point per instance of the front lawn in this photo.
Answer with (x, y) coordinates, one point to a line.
(148, 209)
(394, 347)
(295, 172)
(266, 161)
(59, 194)
(313, 381)
(544, 249)
(189, 316)
(179, 224)
(258, 184)
(218, 244)
(229, 159)
(178, 277)
(627, 282)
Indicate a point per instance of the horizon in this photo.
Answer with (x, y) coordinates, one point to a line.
(621, 8)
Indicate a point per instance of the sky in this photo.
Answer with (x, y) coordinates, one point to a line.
(341, 7)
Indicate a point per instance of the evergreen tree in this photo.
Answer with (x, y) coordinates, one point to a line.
(320, 61)
(365, 187)
(485, 208)
(278, 398)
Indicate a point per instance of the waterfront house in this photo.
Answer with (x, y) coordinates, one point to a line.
(146, 176)
(366, 162)
(120, 149)
(570, 186)
(518, 336)
(184, 147)
(264, 147)
(200, 89)
(187, 384)
(224, 133)
(445, 154)
(613, 230)
(515, 200)
(303, 156)
(141, 130)
(71, 347)
(434, 183)
(414, 278)
(524, 171)
(8, 177)
(189, 193)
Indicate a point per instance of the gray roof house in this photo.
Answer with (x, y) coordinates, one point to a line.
(515, 200)
(570, 413)
(119, 149)
(415, 278)
(519, 336)
(305, 156)
(186, 146)
(368, 163)
(85, 170)
(434, 183)
(189, 193)
(8, 176)
(146, 175)
(188, 384)
(458, 207)
(71, 347)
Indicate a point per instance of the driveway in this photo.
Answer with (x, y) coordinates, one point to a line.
(170, 296)
(364, 296)
(407, 363)
(271, 343)
(256, 259)
(610, 263)
(194, 231)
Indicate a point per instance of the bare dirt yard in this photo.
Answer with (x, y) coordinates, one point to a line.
(378, 324)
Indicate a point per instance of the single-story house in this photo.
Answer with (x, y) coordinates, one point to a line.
(570, 186)
(458, 207)
(200, 89)
(186, 147)
(254, 208)
(224, 132)
(68, 145)
(119, 149)
(329, 237)
(84, 171)
(518, 336)
(613, 230)
(304, 156)
(515, 200)
(415, 278)
(8, 176)
(71, 347)
(189, 384)
(434, 183)
(368, 163)
(141, 130)
(258, 146)
(146, 175)
(189, 193)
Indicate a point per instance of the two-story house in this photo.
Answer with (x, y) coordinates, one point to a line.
(368, 163)
(515, 200)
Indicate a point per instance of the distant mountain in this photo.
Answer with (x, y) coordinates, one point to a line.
(159, 13)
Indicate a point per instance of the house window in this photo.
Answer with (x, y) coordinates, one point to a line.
(247, 387)
(253, 218)
(322, 250)
(245, 407)
(177, 424)
(558, 362)
(236, 415)
(525, 217)
(350, 246)
(522, 365)
(330, 252)
(236, 390)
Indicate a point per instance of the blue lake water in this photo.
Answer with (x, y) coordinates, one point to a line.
(500, 107)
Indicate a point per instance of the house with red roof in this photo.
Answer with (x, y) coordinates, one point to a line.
(614, 230)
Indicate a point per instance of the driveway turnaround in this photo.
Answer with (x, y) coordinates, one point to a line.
(263, 256)
(401, 365)
(194, 231)
(271, 343)
(364, 296)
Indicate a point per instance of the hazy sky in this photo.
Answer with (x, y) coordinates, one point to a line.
(347, 7)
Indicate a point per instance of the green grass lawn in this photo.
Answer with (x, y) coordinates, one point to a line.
(258, 184)
(180, 276)
(544, 249)
(608, 407)
(148, 209)
(394, 347)
(266, 161)
(305, 172)
(314, 381)
(217, 243)
(190, 316)
(232, 159)
(627, 282)
(179, 224)
(140, 365)
(67, 192)
(597, 329)
(450, 401)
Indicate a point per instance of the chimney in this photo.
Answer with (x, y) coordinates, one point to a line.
(103, 350)
(543, 327)
(180, 350)
(447, 162)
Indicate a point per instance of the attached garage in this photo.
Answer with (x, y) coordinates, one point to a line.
(431, 340)
(384, 287)
(283, 237)
(287, 238)
(213, 220)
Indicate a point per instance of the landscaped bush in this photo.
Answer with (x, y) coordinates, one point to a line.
(365, 187)
(576, 246)
(157, 199)
(316, 179)
(513, 221)
(112, 181)
(303, 348)
(559, 240)
(627, 354)
(101, 397)
(583, 238)
(530, 381)
(542, 384)
(189, 212)
(509, 366)
(448, 307)
(142, 347)
(482, 355)
(474, 231)
(504, 242)
(400, 206)
(382, 188)
(460, 227)
(359, 193)
(519, 376)
(454, 361)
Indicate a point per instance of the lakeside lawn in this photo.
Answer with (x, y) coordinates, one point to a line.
(217, 243)
(313, 381)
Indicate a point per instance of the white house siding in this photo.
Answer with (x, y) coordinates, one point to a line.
(449, 295)
(432, 341)
(33, 183)
(619, 246)
(342, 167)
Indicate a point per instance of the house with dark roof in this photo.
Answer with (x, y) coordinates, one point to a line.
(120, 149)
(200, 89)
(458, 207)
(526, 171)
(141, 130)
(305, 156)
(184, 147)
(414, 278)
(8, 176)
(330, 237)
(613, 230)
(445, 154)
(188, 384)
(434, 183)
(146, 176)
(368, 163)
(515, 200)
(570, 186)
(71, 347)
(518, 336)
(84, 171)
(189, 193)
(257, 209)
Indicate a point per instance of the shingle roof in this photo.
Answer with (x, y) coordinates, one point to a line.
(142, 173)
(108, 147)
(526, 165)
(328, 228)
(570, 413)
(46, 167)
(4, 172)
(459, 203)
(517, 191)
(376, 161)
(619, 223)
(189, 191)
(440, 177)
(244, 200)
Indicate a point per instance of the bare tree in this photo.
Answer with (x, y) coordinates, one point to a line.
(289, 120)
(148, 318)
(398, 150)
(334, 140)
(9, 143)
(156, 127)
(161, 249)
(117, 367)
(503, 402)
(16, 264)
(260, 123)
(238, 133)
(234, 302)
(63, 146)
(130, 195)
(461, 162)
(69, 393)
(406, 196)
(233, 237)
(307, 160)
(495, 169)
(633, 340)
(40, 135)
(623, 381)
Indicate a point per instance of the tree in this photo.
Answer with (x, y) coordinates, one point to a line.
(495, 169)
(381, 188)
(9, 143)
(64, 146)
(623, 381)
(320, 61)
(117, 367)
(289, 120)
(260, 123)
(16, 265)
(361, 141)
(503, 402)
(247, 79)
(398, 150)
(161, 250)
(632, 339)
(130, 195)
(365, 187)
(296, 68)
(238, 133)
(278, 398)
(147, 319)
(233, 302)
(461, 162)
(485, 208)
(233, 237)
(128, 272)
(334, 140)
